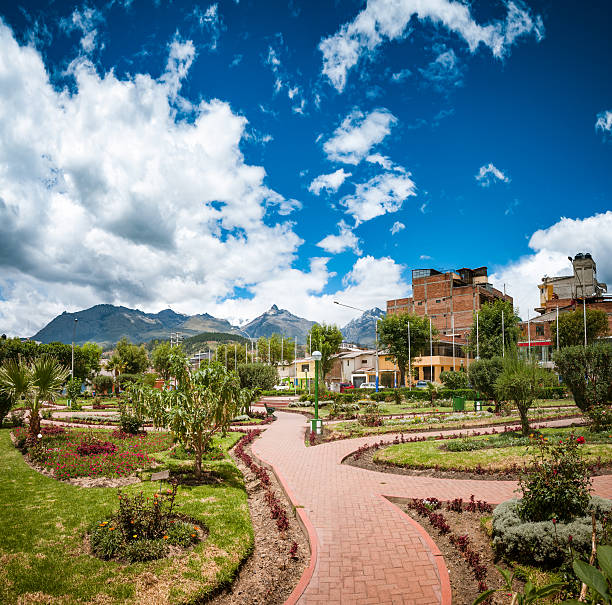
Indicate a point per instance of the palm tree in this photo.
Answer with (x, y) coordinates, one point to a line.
(36, 384)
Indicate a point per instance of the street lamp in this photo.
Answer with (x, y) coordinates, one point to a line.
(583, 302)
(315, 422)
(376, 336)
(74, 325)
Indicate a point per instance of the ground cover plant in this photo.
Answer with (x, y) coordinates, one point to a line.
(44, 521)
(502, 452)
(68, 454)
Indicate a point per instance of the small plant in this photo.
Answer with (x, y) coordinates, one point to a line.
(599, 581)
(557, 484)
(370, 416)
(93, 447)
(129, 422)
(600, 417)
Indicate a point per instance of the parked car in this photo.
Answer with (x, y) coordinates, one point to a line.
(368, 385)
(421, 384)
(346, 386)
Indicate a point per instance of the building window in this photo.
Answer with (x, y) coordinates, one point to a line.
(438, 300)
(539, 330)
(305, 368)
(364, 362)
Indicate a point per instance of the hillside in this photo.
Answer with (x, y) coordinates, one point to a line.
(362, 330)
(279, 321)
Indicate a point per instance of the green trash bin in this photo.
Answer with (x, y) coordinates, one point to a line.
(478, 406)
(458, 404)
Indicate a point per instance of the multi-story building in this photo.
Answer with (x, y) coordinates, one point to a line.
(449, 298)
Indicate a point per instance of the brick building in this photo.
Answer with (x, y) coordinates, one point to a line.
(449, 298)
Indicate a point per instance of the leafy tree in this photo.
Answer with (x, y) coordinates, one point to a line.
(203, 404)
(279, 347)
(490, 342)
(587, 372)
(483, 375)
(571, 327)
(518, 382)
(326, 339)
(14, 348)
(134, 358)
(73, 390)
(37, 383)
(454, 380)
(102, 382)
(161, 358)
(87, 360)
(393, 335)
(257, 376)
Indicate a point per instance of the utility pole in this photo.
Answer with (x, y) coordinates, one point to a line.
(529, 334)
(453, 329)
(557, 327)
(503, 336)
(477, 342)
(430, 353)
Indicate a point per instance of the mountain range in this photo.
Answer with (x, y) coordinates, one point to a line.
(106, 324)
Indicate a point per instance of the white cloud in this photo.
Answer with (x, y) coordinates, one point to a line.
(329, 182)
(383, 20)
(85, 21)
(444, 70)
(490, 174)
(283, 80)
(107, 196)
(425, 257)
(401, 75)
(551, 248)
(397, 227)
(381, 194)
(604, 122)
(357, 134)
(209, 21)
(381, 160)
(346, 239)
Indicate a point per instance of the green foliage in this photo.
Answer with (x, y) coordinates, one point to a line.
(145, 550)
(370, 416)
(129, 422)
(600, 417)
(326, 339)
(105, 544)
(257, 376)
(571, 327)
(271, 350)
(161, 359)
(556, 486)
(587, 372)
(102, 383)
(203, 404)
(73, 390)
(599, 580)
(490, 342)
(181, 534)
(123, 381)
(454, 380)
(87, 360)
(202, 341)
(543, 543)
(519, 382)
(5, 406)
(129, 358)
(393, 336)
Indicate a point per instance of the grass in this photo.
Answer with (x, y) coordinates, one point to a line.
(432, 453)
(42, 522)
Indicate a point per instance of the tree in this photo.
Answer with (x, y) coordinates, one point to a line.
(483, 375)
(490, 342)
(393, 336)
(73, 390)
(279, 348)
(161, 358)
(587, 372)
(257, 376)
(102, 383)
(36, 383)
(203, 404)
(134, 358)
(326, 339)
(87, 360)
(454, 380)
(5, 406)
(518, 382)
(571, 327)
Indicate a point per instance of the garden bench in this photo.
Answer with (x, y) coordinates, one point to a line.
(269, 410)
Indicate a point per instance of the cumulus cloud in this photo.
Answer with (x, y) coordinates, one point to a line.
(381, 160)
(489, 174)
(345, 240)
(551, 247)
(384, 20)
(328, 182)
(604, 122)
(397, 227)
(383, 193)
(357, 134)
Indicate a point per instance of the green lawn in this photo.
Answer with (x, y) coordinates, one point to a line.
(42, 522)
(428, 454)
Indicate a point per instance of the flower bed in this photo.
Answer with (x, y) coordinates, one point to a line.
(101, 454)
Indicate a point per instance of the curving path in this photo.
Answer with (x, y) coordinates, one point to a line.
(366, 551)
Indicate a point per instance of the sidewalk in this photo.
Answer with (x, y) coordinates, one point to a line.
(368, 551)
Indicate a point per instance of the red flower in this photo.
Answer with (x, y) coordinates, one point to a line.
(580, 439)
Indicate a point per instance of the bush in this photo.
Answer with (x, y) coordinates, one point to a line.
(129, 422)
(144, 550)
(106, 541)
(93, 447)
(556, 486)
(257, 376)
(454, 380)
(370, 416)
(544, 543)
(5, 406)
(73, 391)
(600, 417)
(102, 383)
(181, 534)
(125, 380)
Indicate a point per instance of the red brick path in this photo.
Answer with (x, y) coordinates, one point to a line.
(368, 551)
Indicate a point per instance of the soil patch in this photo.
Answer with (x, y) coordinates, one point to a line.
(271, 573)
(464, 585)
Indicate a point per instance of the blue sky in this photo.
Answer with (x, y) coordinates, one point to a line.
(222, 157)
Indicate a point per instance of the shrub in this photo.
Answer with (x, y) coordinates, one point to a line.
(52, 431)
(454, 380)
(600, 417)
(145, 550)
(557, 483)
(181, 534)
(543, 542)
(370, 416)
(73, 390)
(102, 383)
(105, 540)
(93, 447)
(257, 376)
(378, 397)
(129, 422)
(5, 406)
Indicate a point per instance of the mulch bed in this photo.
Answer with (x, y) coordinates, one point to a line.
(270, 574)
(464, 585)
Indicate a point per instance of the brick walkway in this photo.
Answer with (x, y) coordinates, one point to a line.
(368, 551)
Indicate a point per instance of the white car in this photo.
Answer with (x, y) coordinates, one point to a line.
(367, 385)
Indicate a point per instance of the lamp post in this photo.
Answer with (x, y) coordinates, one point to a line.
(409, 362)
(315, 422)
(376, 336)
(74, 325)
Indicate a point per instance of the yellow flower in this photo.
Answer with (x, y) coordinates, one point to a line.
(134, 536)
